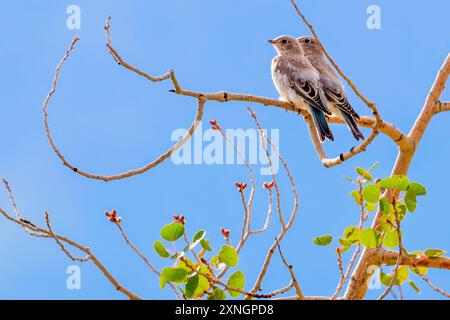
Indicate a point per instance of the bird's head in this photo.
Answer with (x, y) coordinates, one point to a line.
(310, 46)
(286, 44)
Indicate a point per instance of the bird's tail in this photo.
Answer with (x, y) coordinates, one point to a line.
(351, 124)
(323, 130)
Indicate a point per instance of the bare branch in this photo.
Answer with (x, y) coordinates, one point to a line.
(432, 285)
(42, 233)
(442, 107)
(291, 272)
(362, 218)
(142, 256)
(284, 229)
(61, 245)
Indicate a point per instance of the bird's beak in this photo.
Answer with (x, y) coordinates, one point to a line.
(271, 41)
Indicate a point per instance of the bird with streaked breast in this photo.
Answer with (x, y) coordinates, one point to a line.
(338, 102)
(298, 82)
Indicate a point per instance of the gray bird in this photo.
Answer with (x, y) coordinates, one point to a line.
(334, 89)
(299, 83)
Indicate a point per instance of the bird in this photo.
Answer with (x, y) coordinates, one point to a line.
(298, 82)
(338, 102)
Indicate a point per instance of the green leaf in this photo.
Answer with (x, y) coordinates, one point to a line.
(191, 286)
(371, 206)
(351, 233)
(395, 182)
(371, 193)
(216, 263)
(236, 281)
(385, 206)
(357, 196)
(199, 236)
(419, 189)
(160, 249)
(374, 166)
(162, 282)
(402, 276)
(229, 256)
(365, 174)
(368, 238)
(323, 240)
(414, 286)
(177, 275)
(349, 179)
(420, 270)
(391, 240)
(434, 252)
(218, 294)
(196, 286)
(411, 200)
(345, 244)
(205, 245)
(172, 231)
(185, 264)
(401, 210)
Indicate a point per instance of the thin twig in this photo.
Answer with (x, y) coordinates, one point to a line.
(291, 272)
(142, 256)
(400, 253)
(61, 245)
(433, 286)
(42, 233)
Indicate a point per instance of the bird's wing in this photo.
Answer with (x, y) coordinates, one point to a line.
(340, 100)
(303, 83)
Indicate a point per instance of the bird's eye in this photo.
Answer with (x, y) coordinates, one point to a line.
(307, 41)
(284, 41)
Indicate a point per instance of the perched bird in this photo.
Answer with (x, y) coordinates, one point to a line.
(299, 83)
(334, 89)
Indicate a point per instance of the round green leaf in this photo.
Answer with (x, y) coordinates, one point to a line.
(371, 193)
(177, 275)
(351, 233)
(236, 281)
(368, 238)
(420, 270)
(172, 231)
(411, 200)
(205, 245)
(385, 206)
(402, 276)
(218, 294)
(323, 240)
(357, 196)
(395, 182)
(229, 256)
(365, 174)
(391, 239)
(434, 252)
(371, 206)
(199, 236)
(419, 189)
(160, 249)
(191, 286)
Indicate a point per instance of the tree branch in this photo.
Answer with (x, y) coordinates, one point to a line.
(42, 233)
(357, 287)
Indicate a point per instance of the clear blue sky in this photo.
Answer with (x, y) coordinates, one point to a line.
(108, 120)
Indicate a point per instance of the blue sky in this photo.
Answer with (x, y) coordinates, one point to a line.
(108, 120)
